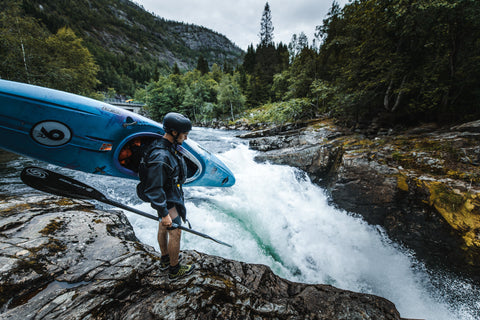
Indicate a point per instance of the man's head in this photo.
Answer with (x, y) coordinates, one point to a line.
(176, 126)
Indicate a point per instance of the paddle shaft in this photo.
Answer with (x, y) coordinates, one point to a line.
(147, 215)
(58, 184)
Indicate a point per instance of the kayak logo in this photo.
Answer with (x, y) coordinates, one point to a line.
(37, 172)
(51, 133)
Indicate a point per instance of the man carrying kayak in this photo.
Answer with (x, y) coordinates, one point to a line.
(162, 171)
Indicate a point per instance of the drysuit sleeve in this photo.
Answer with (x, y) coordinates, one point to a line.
(156, 176)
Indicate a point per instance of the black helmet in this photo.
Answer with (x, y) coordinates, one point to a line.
(176, 122)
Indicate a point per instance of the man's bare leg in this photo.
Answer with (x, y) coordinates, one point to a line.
(162, 238)
(169, 240)
(174, 245)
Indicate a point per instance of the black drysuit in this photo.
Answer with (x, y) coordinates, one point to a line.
(162, 171)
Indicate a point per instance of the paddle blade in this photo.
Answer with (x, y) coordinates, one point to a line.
(57, 184)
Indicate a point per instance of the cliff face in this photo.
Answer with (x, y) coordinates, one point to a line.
(130, 45)
(64, 259)
(421, 186)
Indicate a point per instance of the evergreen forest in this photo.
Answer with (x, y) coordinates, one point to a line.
(397, 62)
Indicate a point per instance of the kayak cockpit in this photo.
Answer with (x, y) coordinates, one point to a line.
(130, 155)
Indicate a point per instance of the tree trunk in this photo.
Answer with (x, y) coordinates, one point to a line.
(386, 99)
(400, 93)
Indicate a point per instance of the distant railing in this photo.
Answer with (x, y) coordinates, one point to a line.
(129, 105)
(129, 102)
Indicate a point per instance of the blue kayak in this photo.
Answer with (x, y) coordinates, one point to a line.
(84, 134)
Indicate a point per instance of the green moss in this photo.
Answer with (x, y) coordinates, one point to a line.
(25, 265)
(357, 143)
(53, 226)
(472, 177)
(402, 183)
(55, 246)
(15, 209)
(65, 202)
(460, 210)
(444, 197)
(397, 156)
(228, 283)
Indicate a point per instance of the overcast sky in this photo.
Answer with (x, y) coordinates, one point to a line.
(239, 20)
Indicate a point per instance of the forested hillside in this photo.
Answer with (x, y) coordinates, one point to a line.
(411, 60)
(393, 62)
(129, 45)
(383, 62)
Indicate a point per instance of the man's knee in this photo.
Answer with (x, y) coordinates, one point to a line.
(174, 234)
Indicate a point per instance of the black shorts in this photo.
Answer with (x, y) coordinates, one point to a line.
(178, 219)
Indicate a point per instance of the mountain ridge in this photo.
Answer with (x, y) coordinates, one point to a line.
(127, 40)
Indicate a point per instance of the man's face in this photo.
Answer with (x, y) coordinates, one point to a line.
(182, 137)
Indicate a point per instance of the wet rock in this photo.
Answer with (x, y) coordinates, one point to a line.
(421, 186)
(64, 259)
(473, 126)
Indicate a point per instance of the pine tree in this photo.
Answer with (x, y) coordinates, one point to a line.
(202, 65)
(266, 27)
(176, 69)
(249, 59)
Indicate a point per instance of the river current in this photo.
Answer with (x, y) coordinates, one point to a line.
(275, 216)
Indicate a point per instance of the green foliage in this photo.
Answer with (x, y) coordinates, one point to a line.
(176, 69)
(96, 95)
(216, 73)
(70, 66)
(393, 60)
(200, 95)
(22, 46)
(249, 60)
(261, 65)
(32, 55)
(280, 85)
(162, 97)
(322, 95)
(303, 71)
(283, 112)
(230, 97)
(416, 58)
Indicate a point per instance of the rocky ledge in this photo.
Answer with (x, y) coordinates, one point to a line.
(64, 259)
(422, 186)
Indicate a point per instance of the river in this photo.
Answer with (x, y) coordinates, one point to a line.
(275, 216)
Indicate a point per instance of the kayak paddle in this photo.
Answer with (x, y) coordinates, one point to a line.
(60, 185)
